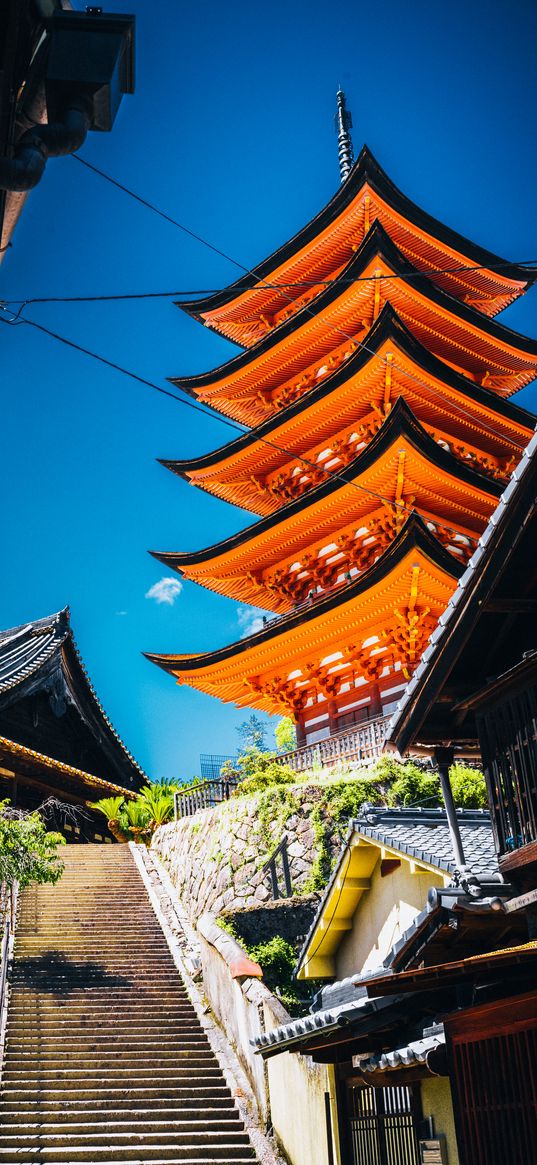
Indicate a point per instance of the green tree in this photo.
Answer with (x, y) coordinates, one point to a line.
(28, 851)
(253, 733)
(469, 788)
(285, 733)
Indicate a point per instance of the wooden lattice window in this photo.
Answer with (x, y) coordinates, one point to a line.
(493, 1056)
(382, 1126)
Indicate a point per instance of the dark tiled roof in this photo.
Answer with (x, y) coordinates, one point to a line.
(25, 650)
(34, 654)
(424, 835)
(413, 1055)
(323, 1022)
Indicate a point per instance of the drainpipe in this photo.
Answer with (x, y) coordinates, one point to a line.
(444, 759)
(36, 145)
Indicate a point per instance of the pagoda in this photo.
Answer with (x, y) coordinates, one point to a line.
(375, 383)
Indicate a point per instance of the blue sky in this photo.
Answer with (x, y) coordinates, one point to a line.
(230, 131)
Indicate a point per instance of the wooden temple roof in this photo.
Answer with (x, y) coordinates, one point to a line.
(327, 331)
(48, 704)
(248, 470)
(248, 307)
(380, 620)
(28, 760)
(489, 626)
(344, 523)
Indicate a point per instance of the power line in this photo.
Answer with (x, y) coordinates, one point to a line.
(161, 213)
(199, 408)
(307, 309)
(343, 281)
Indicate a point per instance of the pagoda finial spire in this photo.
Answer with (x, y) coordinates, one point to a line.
(343, 122)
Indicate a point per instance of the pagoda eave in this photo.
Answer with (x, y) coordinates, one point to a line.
(413, 580)
(401, 462)
(234, 310)
(231, 470)
(458, 333)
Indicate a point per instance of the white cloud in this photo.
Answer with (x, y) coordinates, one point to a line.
(122, 612)
(166, 590)
(250, 620)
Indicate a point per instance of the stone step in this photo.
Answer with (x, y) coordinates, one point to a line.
(26, 997)
(103, 1057)
(104, 1043)
(199, 1124)
(156, 1093)
(72, 1076)
(128, 1147)
(107, 1136)
(124, 1023)
(211, 1110)
(151, 1156)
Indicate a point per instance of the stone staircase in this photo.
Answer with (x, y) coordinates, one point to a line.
(105, 1058)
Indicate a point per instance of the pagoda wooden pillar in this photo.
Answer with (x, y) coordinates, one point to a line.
(300, 734)
(375, 701)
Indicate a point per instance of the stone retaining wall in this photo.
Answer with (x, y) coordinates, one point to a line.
(215, 857)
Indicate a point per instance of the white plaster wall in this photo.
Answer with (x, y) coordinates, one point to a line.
(238, 1008)
(297, 1088)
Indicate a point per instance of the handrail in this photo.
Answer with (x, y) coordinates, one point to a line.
(202, 796)
(8, 898)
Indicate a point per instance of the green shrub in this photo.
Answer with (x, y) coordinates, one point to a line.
(344, 799)
(28, 851)
(413, 786)
(258, 770)
(469, 788)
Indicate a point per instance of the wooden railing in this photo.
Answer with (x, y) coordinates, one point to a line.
(280, 858)
(508, 740)
(362, 742)
(8, 911)
(202, 796)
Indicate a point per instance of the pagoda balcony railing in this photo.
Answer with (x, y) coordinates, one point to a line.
(362, 742)
(508, 740)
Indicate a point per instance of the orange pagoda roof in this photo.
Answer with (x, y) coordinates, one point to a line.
(340, 527)
(262, 469)
(298, 353)
(248, 308)
(379, 622)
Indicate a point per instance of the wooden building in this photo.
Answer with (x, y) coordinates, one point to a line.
(62, 74)
(395, 906)
(56, 743)
(476, 689)
(376, 382)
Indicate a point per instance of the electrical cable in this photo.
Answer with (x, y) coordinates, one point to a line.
(161, 213)
(204, 291)
(199, 408)
(307, 309)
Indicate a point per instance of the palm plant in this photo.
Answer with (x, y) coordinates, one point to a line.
(112, 808)
(159, 803)
(137, 817)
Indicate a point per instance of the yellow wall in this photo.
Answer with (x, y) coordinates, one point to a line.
(382, 916)
(436, 1101)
